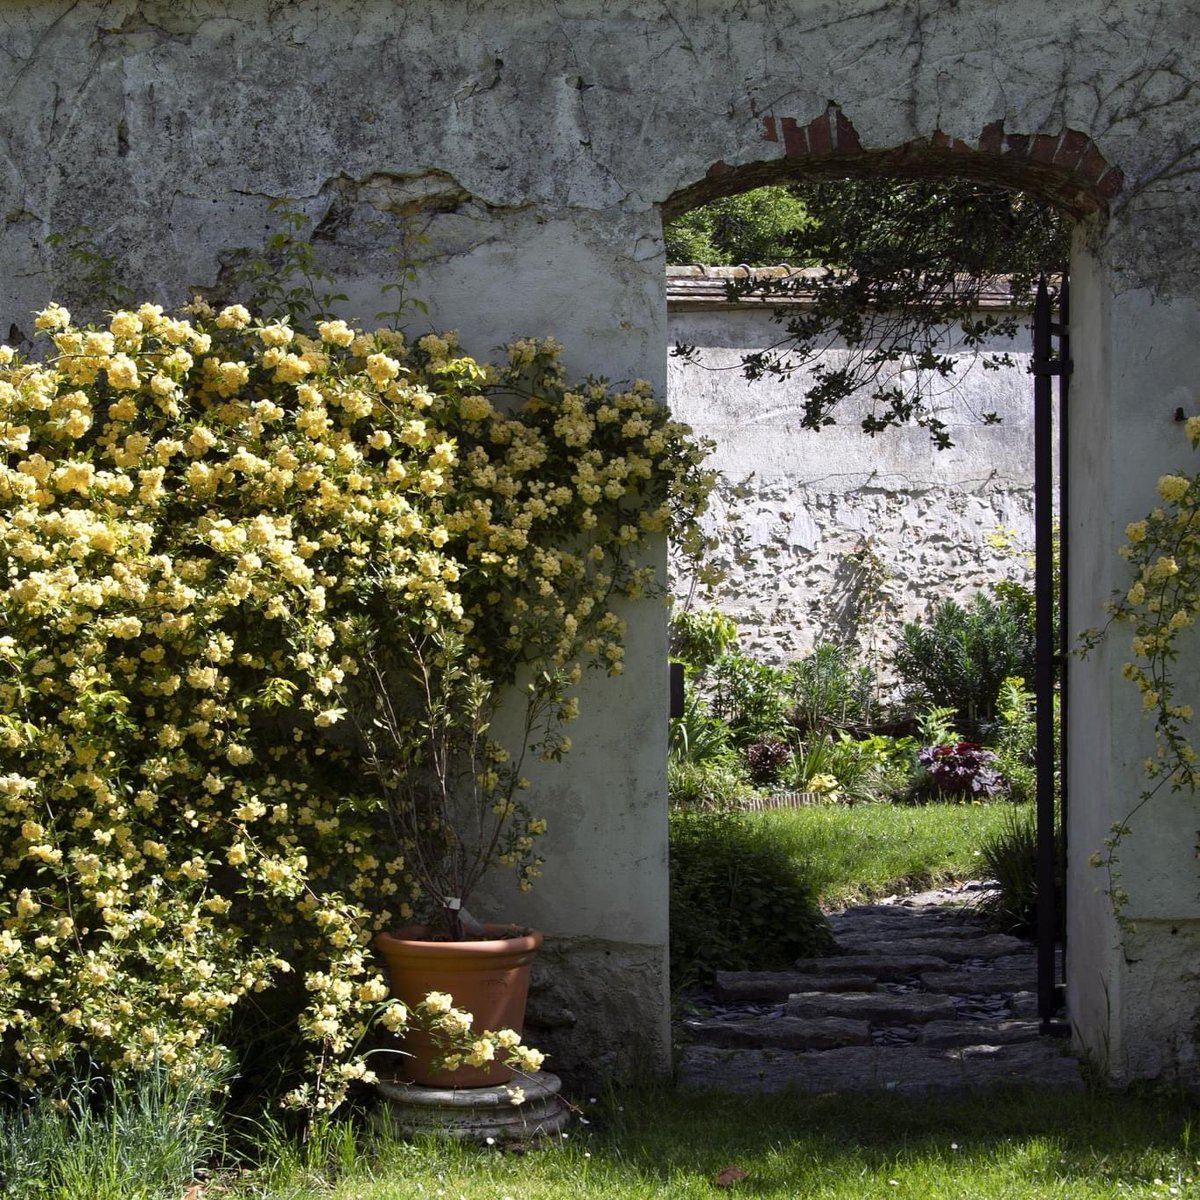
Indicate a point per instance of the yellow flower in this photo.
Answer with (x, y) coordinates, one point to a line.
(122, 372)
(1172, 487)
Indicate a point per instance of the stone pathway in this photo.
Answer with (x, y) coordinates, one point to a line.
(923, 998)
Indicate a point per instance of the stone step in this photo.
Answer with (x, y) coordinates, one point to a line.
(977, 1033)
(886, 967)
(856, 935)
(903, 1070)
(879, 1008)
(779, 985)
(967, 982)
(791, 1033)
(953, 949)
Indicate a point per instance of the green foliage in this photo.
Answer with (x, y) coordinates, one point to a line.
(935, 725)
(139, 1137)
(96, 272)
(907, 263)
(831, 691)
(719, 784)
(700, 638)
(1009, 856)
(738, 902)
(757, 227)
(958, 657)
(862, 770)
(1014, 738)
(284, 277)
(698, 737)
(753, 698)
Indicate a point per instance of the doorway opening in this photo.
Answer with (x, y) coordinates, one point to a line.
(883, 656)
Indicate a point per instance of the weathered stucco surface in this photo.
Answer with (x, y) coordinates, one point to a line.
(940, 524)
(538, 144)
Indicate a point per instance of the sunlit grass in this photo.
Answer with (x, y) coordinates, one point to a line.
(663, 1145)
(854, 852)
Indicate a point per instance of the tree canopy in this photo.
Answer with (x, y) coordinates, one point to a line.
(905, 265)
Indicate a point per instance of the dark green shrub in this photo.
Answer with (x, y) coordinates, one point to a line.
(831, 692)
(1009, 857)
(960, 656)
(738, 901)
(751, 697)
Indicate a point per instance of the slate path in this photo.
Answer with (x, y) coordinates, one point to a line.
(921, 997)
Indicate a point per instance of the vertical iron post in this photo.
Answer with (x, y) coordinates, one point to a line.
(1064, 643)
(1043, 367)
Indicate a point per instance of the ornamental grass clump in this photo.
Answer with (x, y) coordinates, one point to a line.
(218, 534)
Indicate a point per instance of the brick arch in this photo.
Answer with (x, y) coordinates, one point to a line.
(1067, 167)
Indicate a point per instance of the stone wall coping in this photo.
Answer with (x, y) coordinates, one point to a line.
(698, 288)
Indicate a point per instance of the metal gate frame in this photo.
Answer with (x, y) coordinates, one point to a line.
(1051, 642)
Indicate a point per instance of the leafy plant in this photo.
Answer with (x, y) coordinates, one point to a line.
(700, 638)
(1014, 737)
(958, 657)
(1010, 858)
(962, 769)
(830, 691)
(737, 900)
(935, 725)
(751, 697)
(698, 737)
(766, 758)
(135, 1138)
(221, 536)
(720, 784)
(906, 262)
(283, 278)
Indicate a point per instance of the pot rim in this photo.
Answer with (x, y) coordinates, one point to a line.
(503, 940)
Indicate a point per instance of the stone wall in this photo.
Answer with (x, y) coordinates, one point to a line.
(538, 147)
(842, 536)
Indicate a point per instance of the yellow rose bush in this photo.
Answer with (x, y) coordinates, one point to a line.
(226, 546)
(1163, 551)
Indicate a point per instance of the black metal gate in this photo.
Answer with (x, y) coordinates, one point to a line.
(1050, 325)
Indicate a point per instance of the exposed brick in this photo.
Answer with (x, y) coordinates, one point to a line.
(1111, 182)
(769, 132)
(991, 138)
(847, 136)
(820, 139)
(961, 147)
(1017, 144)
(1044, 147)
(940, 140)
(1093, 163)
(795, 140)
(718, 168)
(1071, 149)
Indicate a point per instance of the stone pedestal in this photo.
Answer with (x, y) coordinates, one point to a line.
(477, 1113)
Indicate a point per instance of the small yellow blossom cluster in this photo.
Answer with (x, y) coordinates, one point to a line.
(208, 528)
(450, 1026)
(1163, 551)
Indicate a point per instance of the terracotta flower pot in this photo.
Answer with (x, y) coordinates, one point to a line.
(488, 978)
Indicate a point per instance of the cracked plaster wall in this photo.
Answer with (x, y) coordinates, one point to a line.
(536, 142)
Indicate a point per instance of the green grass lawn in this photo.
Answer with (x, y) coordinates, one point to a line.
(856, 852)
(662, 1145)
